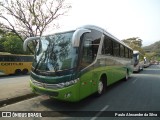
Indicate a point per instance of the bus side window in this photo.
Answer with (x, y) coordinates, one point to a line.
(122, 51)
(87, 52)
(116, 49)
(127, 53)
(90, 47)
(107, 46)
(1, 58)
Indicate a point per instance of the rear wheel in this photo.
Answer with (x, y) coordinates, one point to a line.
(24, 71)
(142, 68)
(139, 69)
(100, 87)
(127, 76)
(18, 71)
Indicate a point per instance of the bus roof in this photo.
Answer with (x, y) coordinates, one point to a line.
(98, 29)
(105, 32)
(137, 52)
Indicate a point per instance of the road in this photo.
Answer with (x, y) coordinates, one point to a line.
(12, 86)
(139, 93)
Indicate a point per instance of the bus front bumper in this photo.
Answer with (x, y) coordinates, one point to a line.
(70, 93)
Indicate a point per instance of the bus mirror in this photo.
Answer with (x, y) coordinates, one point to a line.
(76, 36)
(27, 40)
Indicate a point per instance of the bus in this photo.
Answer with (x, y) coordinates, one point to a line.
(138, 61)
(146, 62)
(15, 64)
(72, 65)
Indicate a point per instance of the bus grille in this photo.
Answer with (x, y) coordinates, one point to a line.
(45, 85)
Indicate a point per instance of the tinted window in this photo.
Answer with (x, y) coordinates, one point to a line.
(121, 50)
(126, 52)
(90, 47)
(116, 49)
(107, 46)
(130, 54)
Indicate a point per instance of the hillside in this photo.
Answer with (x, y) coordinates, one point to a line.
(155, 47)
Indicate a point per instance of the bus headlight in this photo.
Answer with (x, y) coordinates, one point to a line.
(54, 86)
(68, 83)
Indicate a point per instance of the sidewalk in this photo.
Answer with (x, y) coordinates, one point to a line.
(14, 89)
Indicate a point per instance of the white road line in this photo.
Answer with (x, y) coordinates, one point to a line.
(135, 80)
(99, 113)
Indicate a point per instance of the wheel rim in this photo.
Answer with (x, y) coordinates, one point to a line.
(126, 76)
(100, 87)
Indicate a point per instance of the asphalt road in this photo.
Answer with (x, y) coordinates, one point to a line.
(140, 93)
(13, 86)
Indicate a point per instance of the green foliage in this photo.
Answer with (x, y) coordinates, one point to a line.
(135, 43)
(153, 47)
(30, 17)
(150, 56)
(153, 50)
(2, 32)
(2, 39)
(11, 43)
(2, 48)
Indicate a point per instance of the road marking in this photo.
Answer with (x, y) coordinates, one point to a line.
(135, 80)
(99, 113)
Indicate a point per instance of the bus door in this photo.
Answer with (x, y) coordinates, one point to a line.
(89, 49)
(86, 69)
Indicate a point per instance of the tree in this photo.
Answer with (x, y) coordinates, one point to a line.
(2, 39)
(31, 17)
(9, 42)
(13, 44)
(135, 43)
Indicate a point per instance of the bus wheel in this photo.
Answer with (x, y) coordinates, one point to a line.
(24, 71)
(127, 75)
(142, 68)
(139, 69)
(17, 71)
(101, 87)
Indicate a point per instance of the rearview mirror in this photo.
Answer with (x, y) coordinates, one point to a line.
(76, 36)
(27, 40)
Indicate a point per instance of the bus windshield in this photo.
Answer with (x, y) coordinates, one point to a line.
(55, 53)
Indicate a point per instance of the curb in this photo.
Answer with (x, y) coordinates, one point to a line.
(16, 99)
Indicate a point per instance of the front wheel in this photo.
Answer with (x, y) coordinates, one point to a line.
(127, 76)
(101, 87)
(142, 68)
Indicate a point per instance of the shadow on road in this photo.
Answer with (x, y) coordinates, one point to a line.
(153, 69)
(12, 76)
(56, 105)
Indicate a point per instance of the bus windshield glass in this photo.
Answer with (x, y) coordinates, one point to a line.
(135, 57)
(55, 53)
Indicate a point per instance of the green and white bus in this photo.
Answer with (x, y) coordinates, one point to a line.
(146, 62)
(138, 59)
(72, 65)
